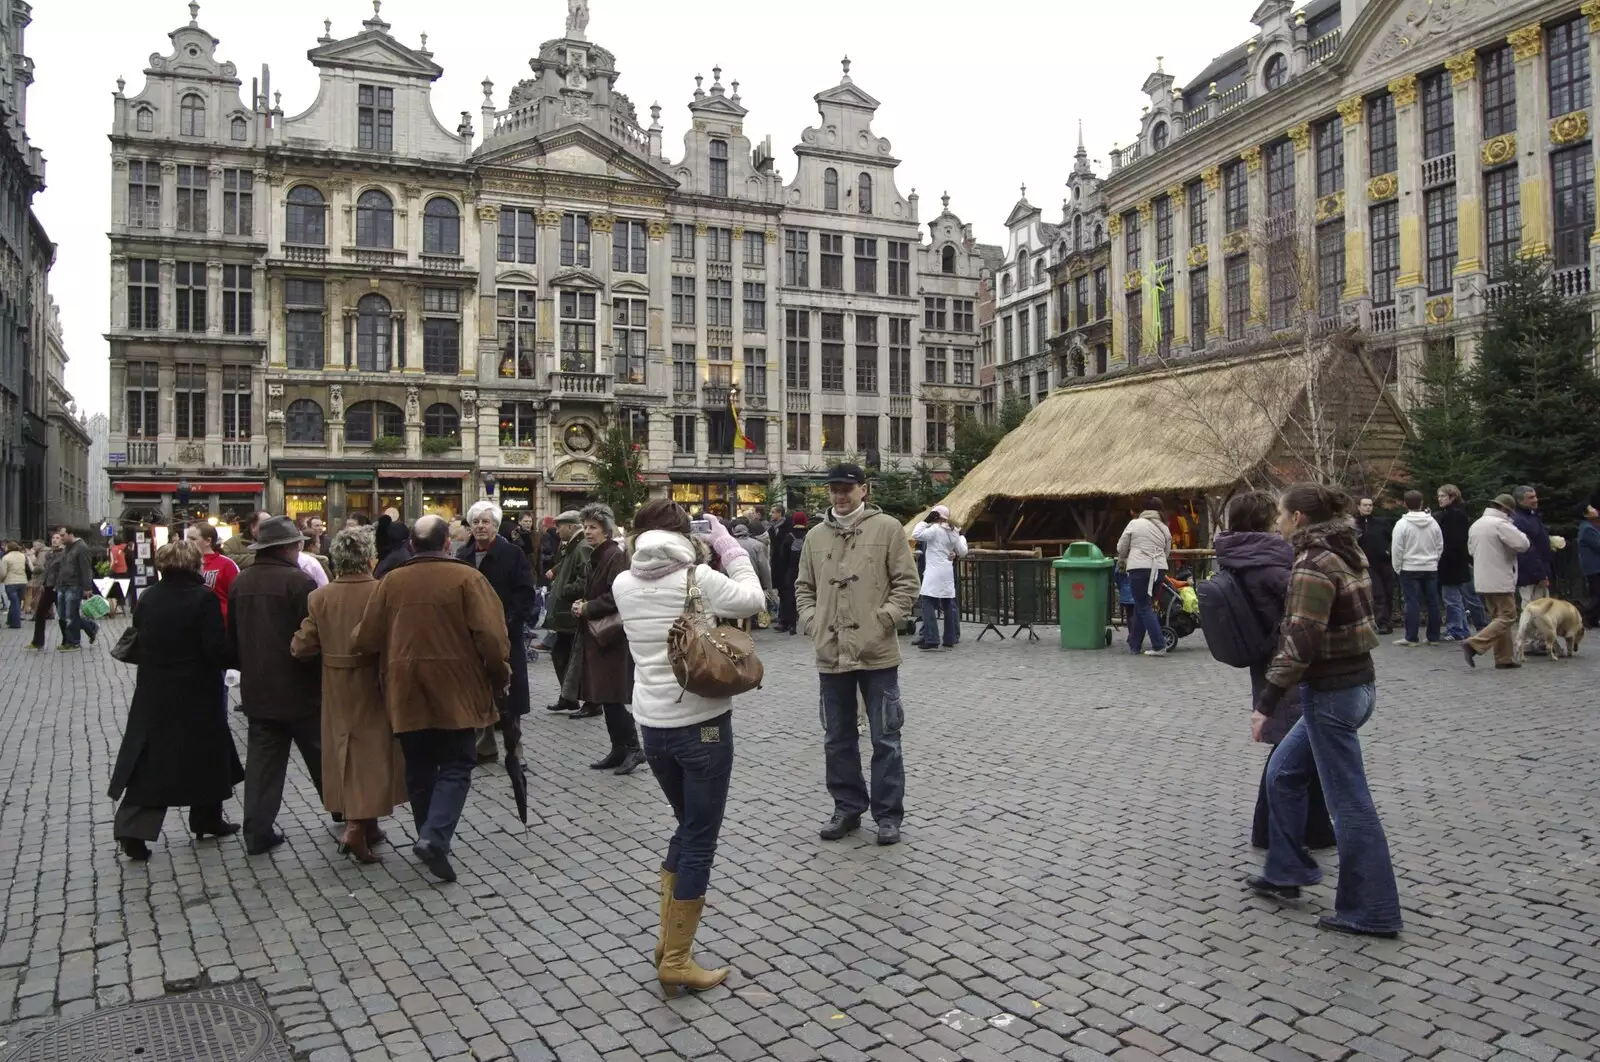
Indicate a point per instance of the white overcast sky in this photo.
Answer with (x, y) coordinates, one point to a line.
(977, 99)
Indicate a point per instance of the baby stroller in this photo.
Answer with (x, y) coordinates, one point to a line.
(1177, 605)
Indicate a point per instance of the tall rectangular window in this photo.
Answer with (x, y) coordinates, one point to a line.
(1008, 348)
(1197, 214)
(1385, 228)
(866, 433)
(719, 245)
(899, 267)
(1199, 308)
(1237, 279)
(899, 435)
(304, 304)
(719, 167)
(193, 183)
(1502, 216)
(1235, 196)
(1133, 314)
(797, 432)
(832, 261)
(755, 374)
(1168, 326)
(937, 429)
(755, 307)
(143, 406)
(516, 314)
(1041, 327)
(683, 370)
(1568, 64)
(719, 303)
(1280, 179)
(577, 331)
(832, 433)
(1382, 147)
(683, 300)
(1101, 294)
(441, 330)
(1080, 298)
(574, 239)
(1163, 211)
(1438, 115)
(755, 248)
(833, 352)
(797, 258)
(630, 247)
(1330, 268)
(899, 355)
(236, 403)
(144, 295)
(866, 264)
(719, 366)
(1440, 208)
(1132, 243)
(238, 298)
(1283, 284)
(933, 312)
(797, 350)
(866, 354)
(1498, 77)
(683, 433)
(189, 401)
(1024, 336)
(1572, 175)
(965, 366)
(189, 297)
(517, 423)
(935, 365)
(1330, 156)
(683, 242)
(144, 194)
(962, 316)
(238, 202)
(755, 430)
(375, 118)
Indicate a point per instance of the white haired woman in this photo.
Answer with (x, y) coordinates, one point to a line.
(607, 669)
(363, 770)
(507, 569)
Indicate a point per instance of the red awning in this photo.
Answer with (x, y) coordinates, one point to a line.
(139, 486)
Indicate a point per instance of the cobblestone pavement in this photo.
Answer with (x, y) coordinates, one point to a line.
(1069, 886)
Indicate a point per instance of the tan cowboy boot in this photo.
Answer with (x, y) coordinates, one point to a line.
(678, 970)
(669, 880)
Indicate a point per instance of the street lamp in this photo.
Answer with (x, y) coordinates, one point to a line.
(488, 485)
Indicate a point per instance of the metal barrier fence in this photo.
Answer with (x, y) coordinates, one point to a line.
(1004, 590)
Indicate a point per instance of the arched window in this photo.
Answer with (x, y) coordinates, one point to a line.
(1158, 136)
(1038, 270)
(830, 189)
(367, 422)
(1099, 234)
(192, 116)
(1005, 285)
(719, 167)
(373, 334)
(305, 216)
(1277, 72)
(374, 219)
(145, 120)
(864, 193)
(441, 421)
(441, 227)
(239, 129)
(303, 422)
(1022, 268)
(947, 259)
(1077, 232)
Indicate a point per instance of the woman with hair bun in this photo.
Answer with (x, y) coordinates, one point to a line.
(606, 672)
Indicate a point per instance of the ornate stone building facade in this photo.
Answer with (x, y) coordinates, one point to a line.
(67, 468)
(435, 316)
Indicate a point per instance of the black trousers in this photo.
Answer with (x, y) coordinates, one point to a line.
(620, 728)
(788, 610)
(1383, 584)
(41, 614)
(267, 764)
(1319, 826)
(1591, 610)
(560, 656)
(139, 823)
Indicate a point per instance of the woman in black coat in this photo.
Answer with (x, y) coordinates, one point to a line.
(507, 569)
(177, 750)
(607, 673)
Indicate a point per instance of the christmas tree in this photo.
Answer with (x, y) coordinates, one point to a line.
(619, 475)
(1447, 442)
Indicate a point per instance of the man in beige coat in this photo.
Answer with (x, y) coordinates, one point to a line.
(440, 636)
(1494, 542)
(856, 584)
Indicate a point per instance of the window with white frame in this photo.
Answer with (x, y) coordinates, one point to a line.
(144, 295)
(577, 331)
(629, 327)
(518, 239)
(144, 194)
(755, 307)
(515, 316)
(374, 118)
(630, 247)
(192, 116)
(142, 407)
(683, 300)
(574, 239)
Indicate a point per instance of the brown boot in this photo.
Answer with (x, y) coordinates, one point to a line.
(669, 881)
(678, 970)
(354, 842)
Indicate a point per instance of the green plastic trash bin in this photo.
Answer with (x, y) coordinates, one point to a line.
(1083, 590)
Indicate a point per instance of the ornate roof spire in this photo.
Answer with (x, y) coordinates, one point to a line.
(716, 80)
(376, 22)
(1024, 192)
(945, 199)
(699, 93)
(845, 62)
(327, 32)
(194, 12)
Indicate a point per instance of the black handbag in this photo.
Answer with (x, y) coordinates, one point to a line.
(127, 647)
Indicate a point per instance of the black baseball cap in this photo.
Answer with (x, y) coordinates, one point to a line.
(847, 473)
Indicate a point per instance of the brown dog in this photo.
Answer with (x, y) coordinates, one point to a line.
(1558, 623)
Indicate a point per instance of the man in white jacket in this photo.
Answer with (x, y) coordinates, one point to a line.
(943, 545)
(1415, 549)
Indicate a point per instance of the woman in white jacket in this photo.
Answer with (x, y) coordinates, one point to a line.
(943, 545)
(688, 740)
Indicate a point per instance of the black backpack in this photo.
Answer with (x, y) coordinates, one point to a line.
(1235, 634)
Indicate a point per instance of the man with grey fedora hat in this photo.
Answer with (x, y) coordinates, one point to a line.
(279, 695)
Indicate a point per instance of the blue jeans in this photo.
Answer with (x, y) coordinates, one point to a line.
(1144, 612)
(14, 605)
(439, 767)
(885, 715)
(1416, 587)
(1461, 607)
(932, 607)
(73, 623)
(1325, 741)
(693, 765)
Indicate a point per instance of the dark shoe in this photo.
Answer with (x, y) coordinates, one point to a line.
(354, 843)
(1263, 887)
(216, 829)
(135, 850)
(92, 632)
(1385, 630)
(840, 826)
(263, 845)
(1507, 667)
(488, 757)
(375, 836)
(588, 711)
(1327, 922)
(64, 648)
(558, 707)
(1470, 653)
(927, 647)
(436, 861)
(611, 762)
(630, 762)
(888, 833)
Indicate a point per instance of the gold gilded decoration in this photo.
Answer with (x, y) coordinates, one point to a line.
(772, 235)
(1330, 206)
(1526, 42)
(1441, 309)
(488, 213)
(1198, 256)
(1404, 90)
(1352, 110)
(1233, 242)
(1569, 127)
(1178, 194)
(1300, 136)
(1212, 175)
(1382, 187)
(1133, 281)
(1252, 158)
(700, 228)
(549, 218)
(1114, 225)
(1147, 210)
(658, 229)
(1592, 10)
(1500, 149)
(738, 232)
(1463, 68)
(602, 222)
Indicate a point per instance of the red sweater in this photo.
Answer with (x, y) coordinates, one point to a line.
(219, 573)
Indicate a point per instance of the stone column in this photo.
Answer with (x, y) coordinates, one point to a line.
(1527, 49)
(277, 342)
(335, 358)
(119, 293)
(1146, 281)
(214, 297)
(1304, 231)
(258, 301)
(1469, 189)
(601, 236)
(119, 193)
(213, 439)
(214, 199)
(1119, 342)
(1216, 266)
(169, 198)
(1256, 193)
(1408, 182)
(410, 324)
(261, 205)
(1177, 280)
(408, 225)
(1358, 301)
(547, 358)
(169, 294)
(656, 342)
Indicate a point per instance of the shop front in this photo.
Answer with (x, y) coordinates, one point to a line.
(332, 494)
(715, 495)
(428, 491)
(515, 496)
(184, 500)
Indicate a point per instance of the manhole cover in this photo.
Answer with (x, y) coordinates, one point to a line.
(226, 1024)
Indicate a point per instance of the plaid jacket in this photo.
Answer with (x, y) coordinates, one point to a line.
(1329, 629)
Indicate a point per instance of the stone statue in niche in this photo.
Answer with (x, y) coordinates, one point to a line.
(413, 405)
(336, 401)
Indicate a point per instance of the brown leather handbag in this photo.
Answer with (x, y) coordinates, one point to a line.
(606, 630)
(710, 659)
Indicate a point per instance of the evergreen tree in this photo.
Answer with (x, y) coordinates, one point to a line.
(619, 475)
(1447, 444)
(1537, 395)
(974, 440)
